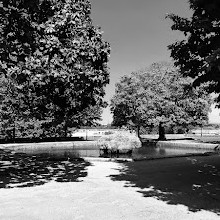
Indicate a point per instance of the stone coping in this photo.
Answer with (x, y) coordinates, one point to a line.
(93, 145)
(187, 144)
(52, 145)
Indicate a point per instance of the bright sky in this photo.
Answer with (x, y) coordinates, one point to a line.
(138, 34)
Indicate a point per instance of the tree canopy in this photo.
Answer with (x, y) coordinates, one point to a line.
(198, 55)
(55, 62)
(156, 94)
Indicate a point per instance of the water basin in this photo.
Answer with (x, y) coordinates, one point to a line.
(143, 152)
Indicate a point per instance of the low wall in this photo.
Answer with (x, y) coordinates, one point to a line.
(82, 145)
(92, 145)
(187, 145)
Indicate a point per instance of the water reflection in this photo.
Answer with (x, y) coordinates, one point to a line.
(149, 152)
(62, 153)
(144, 152)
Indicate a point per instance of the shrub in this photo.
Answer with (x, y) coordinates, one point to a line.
(120, 141)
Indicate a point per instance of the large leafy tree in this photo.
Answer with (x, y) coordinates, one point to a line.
(76, 63)
(198, 55)
(159, 94)
(66, 71)
(19, 39)
(20, 22)
(15, 116)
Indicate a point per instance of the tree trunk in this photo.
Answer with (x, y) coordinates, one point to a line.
(14, 133)
(138, 131)
(161, 132)
(65, 127)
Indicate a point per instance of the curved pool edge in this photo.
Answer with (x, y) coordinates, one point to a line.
(107, 159)
(179, 156)
(209, 148)
(51, 145)
(187, 144)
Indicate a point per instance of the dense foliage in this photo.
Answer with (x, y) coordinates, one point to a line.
(198, 55)
(159, 94)
(53, 65)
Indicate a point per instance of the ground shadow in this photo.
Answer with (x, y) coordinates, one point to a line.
(191, 181)
(22, 170)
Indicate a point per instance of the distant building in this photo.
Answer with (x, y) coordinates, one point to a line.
(204, 131)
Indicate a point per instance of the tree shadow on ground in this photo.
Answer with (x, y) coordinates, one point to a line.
(191, 181)
(22, 170)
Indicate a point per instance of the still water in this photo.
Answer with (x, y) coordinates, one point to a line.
(143, 152)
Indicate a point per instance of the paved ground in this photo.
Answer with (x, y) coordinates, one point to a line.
(99, 196)
(192, 181)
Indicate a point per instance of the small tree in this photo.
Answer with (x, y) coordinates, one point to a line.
(159, 94)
